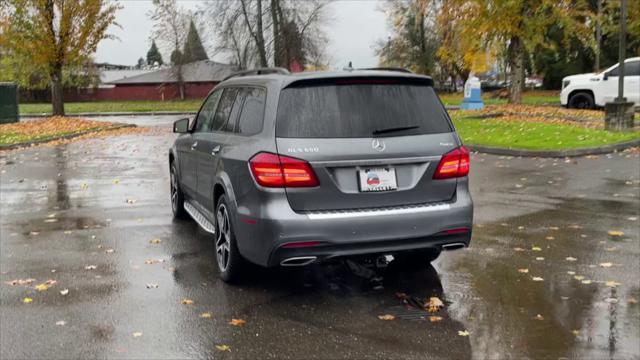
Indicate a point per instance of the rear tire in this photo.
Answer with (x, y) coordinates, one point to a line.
(230, 263)
(581, 100)
(177, 197)
(416, 259)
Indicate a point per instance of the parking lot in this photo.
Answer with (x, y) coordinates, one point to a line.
(552, 271)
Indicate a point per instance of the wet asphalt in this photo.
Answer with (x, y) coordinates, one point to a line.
(100, 203)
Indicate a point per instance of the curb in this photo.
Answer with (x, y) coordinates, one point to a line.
(606, 149)
(64, 137)
(98, 114)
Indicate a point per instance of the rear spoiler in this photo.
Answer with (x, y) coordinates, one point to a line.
(364, 80)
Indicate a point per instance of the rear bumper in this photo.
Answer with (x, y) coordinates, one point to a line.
(262, 233)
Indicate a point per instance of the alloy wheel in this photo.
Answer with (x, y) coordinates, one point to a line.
(174, 191)
(223, 238)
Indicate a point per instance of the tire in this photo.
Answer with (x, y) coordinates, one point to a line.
(230, 263)
(416, 259)
(177, 197)
(581, 100)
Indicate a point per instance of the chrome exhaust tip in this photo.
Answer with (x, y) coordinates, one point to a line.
(298, 261)
(453, 246)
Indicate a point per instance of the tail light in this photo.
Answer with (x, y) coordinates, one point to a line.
(453, 164)
(271, 170)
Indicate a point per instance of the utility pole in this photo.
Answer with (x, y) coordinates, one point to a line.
(598, 37)
(619, 113)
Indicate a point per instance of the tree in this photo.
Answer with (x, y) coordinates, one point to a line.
(519, 25)
(153, 55)
(55, 36)
(413, 44)
(170, 24)
(193, 49)
(140, 63)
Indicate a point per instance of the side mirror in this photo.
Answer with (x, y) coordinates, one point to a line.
(605, 77)
(181, 126)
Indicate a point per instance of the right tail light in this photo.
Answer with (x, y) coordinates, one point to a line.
(453, 164)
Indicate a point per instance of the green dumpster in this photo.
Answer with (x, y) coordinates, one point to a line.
(8, 103)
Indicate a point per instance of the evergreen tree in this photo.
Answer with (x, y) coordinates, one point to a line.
(153, 55)
(141, 63)
(177, 57)
(193, 49)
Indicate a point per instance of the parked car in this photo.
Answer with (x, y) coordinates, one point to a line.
(290, 169)
(587, 91)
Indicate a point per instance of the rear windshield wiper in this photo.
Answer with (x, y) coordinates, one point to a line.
(396, 129)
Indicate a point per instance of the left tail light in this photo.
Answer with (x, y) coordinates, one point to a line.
(272, 170)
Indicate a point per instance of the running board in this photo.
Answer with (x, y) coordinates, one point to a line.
(205, 224)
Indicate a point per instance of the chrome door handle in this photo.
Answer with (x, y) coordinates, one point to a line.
(194, 145)
(215, 150)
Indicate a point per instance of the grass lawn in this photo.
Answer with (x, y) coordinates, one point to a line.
(529, 98)
(46, 129)
(534, 135)
(114, 106)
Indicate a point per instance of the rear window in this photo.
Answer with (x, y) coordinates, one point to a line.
(360, 110)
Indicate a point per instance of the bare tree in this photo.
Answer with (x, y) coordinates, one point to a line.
(170, 29)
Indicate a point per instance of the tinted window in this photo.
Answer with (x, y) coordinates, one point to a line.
(357, 110)
(235, 111)
(632, 68)
(205, 115)
(251, 118)
(224, 109)
(614, 72)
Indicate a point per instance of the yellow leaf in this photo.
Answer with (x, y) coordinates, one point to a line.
(386, 317)
(187, 302)
(536, 248)
(606, 265)
(571, 258)
(137, 334)
(537, 278)
(205, 315)
(612, 283)
(434, 304)
(223, 347)
(237, 322)
(27, 300)
(435, 318)
(463, 333)
(615, 233)
(155, 241)
(579, 277)
(42, 287)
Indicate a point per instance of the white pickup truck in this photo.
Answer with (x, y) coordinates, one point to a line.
(587, 91)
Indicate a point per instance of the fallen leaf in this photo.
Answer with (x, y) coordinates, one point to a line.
(463, 333)
(205, 315)
(586, 282)
(435, 318)
(27, 300)
(20, 282)
(575, 332)
(540, 258)
(550, 238)
(155, 241)
(187, 302)
(137, 334)
(109, 251)
(64, 292)
(524, 271)
(612, 283)
(223, 347)
(571, 272)
(240, 322)
(116, 181)
(131, 201)
(536, 248)
(434, 305)
(611, 300)
(554, 228)
(518, 249)
(537, 278)
(153, 261)
(539, 317)
(152, 286)
(606, 265)
(570, 258)
(632, 301)
(61, 323)
(615, 233)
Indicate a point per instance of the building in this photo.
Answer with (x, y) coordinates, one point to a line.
(161, 84)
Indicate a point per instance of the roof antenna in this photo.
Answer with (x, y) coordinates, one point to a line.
(349, 67)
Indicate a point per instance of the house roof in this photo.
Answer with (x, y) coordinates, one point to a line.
(199, 71)
(109, 76)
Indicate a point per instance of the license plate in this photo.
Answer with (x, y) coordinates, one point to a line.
(377, 179)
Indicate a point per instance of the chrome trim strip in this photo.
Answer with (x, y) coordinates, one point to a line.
(376, 161)
(381, 212)
(197, 216)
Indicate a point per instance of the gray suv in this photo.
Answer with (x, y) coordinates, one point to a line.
(290, 169)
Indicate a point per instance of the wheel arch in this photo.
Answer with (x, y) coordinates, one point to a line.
(576, 91)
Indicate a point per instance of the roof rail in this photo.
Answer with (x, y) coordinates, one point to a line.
(397, 69)
(259, 71)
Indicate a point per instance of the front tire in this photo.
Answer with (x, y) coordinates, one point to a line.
(230, 262)
(581, 100)
(177, 197)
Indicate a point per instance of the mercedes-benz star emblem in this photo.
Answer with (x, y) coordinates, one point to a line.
(378, 145)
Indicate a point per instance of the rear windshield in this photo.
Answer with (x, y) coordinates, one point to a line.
(360, 110)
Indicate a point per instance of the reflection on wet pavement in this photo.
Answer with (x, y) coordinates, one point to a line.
(544, 278)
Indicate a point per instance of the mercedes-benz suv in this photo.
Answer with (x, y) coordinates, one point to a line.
(290, 169)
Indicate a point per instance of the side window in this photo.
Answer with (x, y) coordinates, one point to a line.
(205, 115)
(224, 109)
(614, 72)
(251, 118)
(237, 106)
(632, 68)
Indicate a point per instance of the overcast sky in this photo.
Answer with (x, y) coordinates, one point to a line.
(355, 27)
